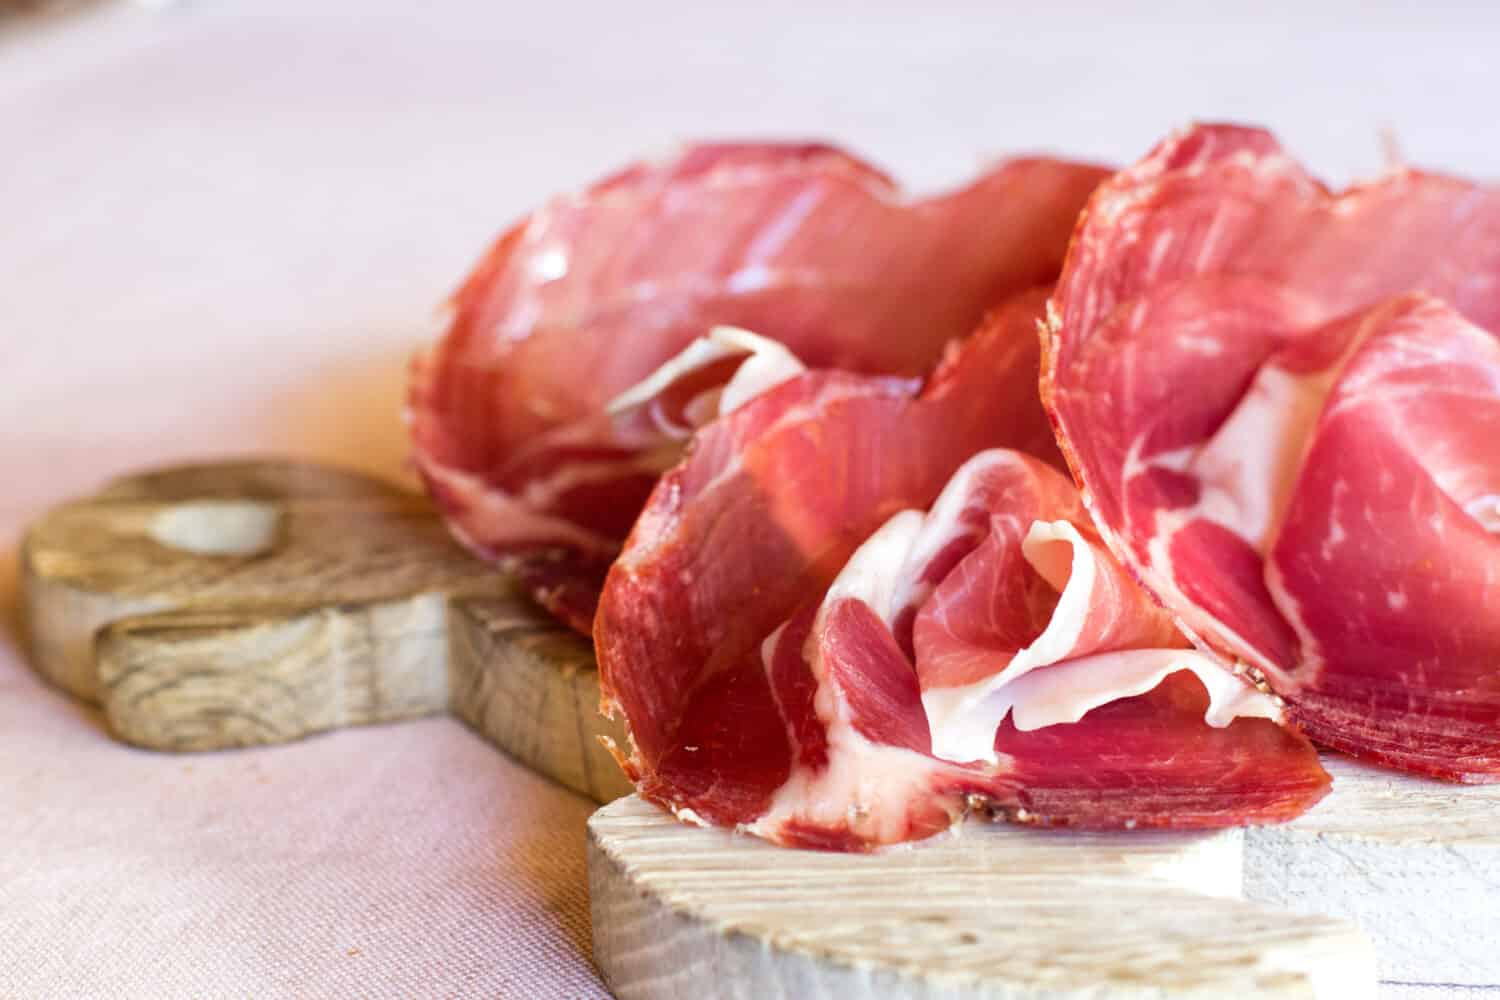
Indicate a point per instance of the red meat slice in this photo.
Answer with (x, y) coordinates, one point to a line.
(1290, 441)
(782, 627)
(511, 413)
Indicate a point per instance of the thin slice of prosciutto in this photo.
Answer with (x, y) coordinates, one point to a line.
(1283, 404)
(852, 615)
(580, 355)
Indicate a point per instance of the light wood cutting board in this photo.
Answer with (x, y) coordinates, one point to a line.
(1390, 878)
(242, 603)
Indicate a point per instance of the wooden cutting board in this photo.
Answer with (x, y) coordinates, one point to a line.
(244, 603)
(1390, 878)
(994, 912)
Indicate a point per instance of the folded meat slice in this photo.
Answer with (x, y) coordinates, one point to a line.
(574, 367)
(1290, 441)
(572, 473)
(1034, 588)
(846, 619)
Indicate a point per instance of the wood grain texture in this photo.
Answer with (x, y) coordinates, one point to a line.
(1415, 863)
(245, 603)
(996, 911)
(532, 687)
(198, 680)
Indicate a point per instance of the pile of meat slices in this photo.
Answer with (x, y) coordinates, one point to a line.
(1071, 497)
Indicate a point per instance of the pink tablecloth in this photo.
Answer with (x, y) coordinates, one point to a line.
(212, 241)
(224, 226)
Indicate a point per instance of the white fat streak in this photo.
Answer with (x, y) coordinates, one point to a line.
(868, 576)
(702, 351)
(963, 719)
(866, 786)
(492, 519)
(1066, 692)
(543, 492)
(1248, 471)
(778, 231)
(753, 278)
(1309, 643)
(1486, 510)
(768, 364)
(1062, 557)
(1249, 468)
(1191, 620)
(942, 525)
(703, 407)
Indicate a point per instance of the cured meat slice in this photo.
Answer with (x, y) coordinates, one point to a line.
(647, 426)
(1290, 441)
(786, 632)
(567, 380)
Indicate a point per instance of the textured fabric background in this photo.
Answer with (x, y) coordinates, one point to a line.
(223, 227)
